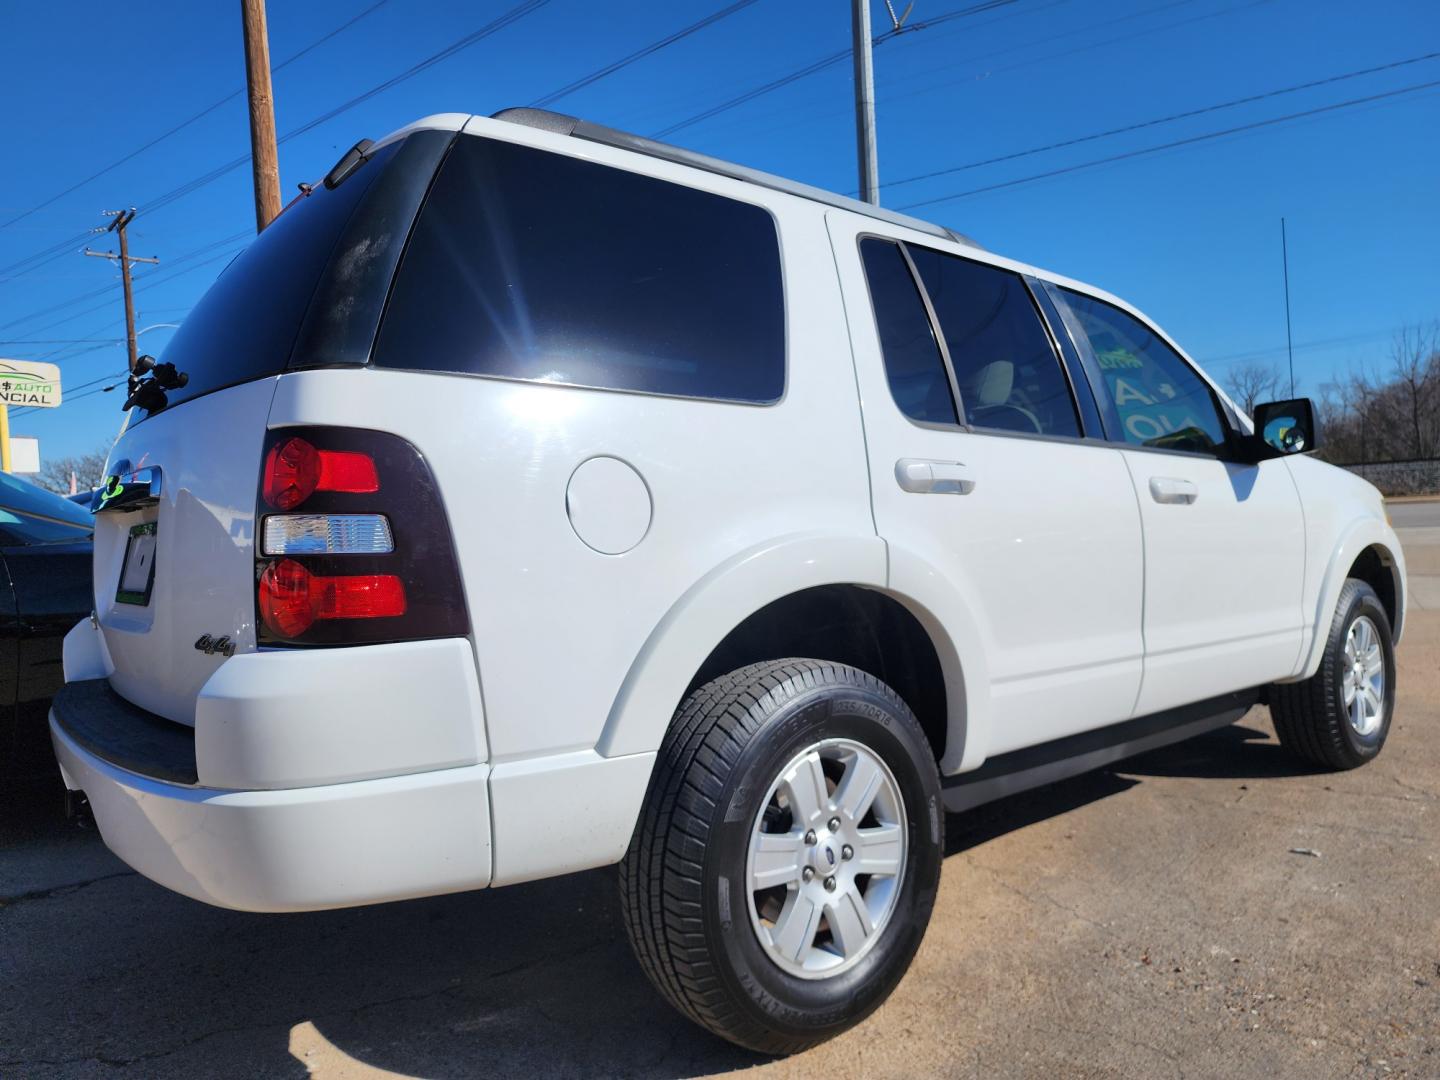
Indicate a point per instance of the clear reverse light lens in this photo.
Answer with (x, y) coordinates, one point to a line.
(327, 534)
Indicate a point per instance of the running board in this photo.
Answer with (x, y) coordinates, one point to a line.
(1035, 766)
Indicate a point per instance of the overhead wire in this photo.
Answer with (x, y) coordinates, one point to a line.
(193, 118)
(1172, 118)
(1189, 141)
(640, 54)
(825, 62)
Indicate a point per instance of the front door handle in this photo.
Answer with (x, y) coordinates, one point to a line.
(1170, 489)
(923, 476)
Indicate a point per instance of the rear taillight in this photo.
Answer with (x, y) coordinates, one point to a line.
(360, 551)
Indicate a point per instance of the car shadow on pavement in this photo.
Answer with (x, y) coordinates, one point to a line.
(533, 980)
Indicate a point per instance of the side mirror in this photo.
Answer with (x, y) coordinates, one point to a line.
(1285, 427)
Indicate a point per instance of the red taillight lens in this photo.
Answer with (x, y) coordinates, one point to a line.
(292, 599)
(286, 606)
(292, 472)
(295, 470)
(344, 470)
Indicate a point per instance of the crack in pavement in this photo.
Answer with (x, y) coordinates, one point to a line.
(60, 890)
(1046, 898)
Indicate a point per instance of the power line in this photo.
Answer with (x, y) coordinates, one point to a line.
(82, 297)
(1177, 143)
(494, 26)
(640, 54)
(826, 62)
(197, 116)
(114, 380)
(1164, 120)
(147, 280)
(513, 15)
(1279, 350)
(30, 262)
(1088, 46)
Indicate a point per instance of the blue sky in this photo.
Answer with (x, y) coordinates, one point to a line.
(1190, 235)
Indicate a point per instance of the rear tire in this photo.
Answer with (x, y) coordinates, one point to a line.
(1340, 716)
(785, 863)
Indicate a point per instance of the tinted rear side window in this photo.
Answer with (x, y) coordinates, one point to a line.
(913, 364)
(526, 264)
(1007, 370)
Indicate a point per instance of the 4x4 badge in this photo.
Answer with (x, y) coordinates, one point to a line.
(212, 645)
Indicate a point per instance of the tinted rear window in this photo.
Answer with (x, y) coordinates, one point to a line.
(525, 264)
(913, 364)
(245, 326)
(1009, 376)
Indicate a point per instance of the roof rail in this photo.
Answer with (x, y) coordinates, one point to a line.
(561, 124)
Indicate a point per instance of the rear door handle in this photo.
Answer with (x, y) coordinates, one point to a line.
(1170, 489)
(923, 476)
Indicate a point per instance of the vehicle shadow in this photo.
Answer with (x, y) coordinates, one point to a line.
(533, 980)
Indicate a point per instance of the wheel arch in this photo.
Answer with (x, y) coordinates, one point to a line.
(747, 608)
(1370, 551)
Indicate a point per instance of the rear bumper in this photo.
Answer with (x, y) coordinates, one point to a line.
(297, 849)
(332, 778)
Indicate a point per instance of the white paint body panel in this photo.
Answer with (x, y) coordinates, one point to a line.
(575, 810)
(302, 849)
(1045, 549)
(1058, 593)
(209, 456)
(1224, 576)
(282, 718)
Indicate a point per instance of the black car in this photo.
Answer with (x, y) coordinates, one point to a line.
(45, 589)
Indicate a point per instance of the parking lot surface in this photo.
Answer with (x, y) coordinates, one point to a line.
(1216, 908)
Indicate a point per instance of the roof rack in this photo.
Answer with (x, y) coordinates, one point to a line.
(561, 124)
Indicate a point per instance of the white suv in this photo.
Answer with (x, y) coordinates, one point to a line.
(532, 497)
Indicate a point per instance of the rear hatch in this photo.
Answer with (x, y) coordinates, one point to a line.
(175, 526)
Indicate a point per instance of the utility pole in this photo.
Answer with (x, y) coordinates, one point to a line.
(264, 158)
(865, 101)
(121, 220)
(1285, 265)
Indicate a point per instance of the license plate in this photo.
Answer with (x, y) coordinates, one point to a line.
(137, 573)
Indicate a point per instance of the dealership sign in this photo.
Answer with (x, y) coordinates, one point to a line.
(24, 382)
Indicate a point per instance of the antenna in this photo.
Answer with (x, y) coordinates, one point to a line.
(1289, 342)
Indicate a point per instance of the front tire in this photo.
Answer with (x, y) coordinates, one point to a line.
(785, 863)
(1340, 716)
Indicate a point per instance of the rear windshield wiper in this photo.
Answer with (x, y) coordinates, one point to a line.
(353, 159)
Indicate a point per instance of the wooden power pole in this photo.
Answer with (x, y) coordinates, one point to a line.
(122, 219)
(264, 157)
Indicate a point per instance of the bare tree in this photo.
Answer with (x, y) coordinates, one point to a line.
(1253, 383)
(89, 470)
(1415, 368)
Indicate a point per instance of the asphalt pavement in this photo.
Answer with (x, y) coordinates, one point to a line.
(1216, 908)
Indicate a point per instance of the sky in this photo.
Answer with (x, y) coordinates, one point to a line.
(1189, 234)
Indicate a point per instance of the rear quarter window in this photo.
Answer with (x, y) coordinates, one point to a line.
(526, 264)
